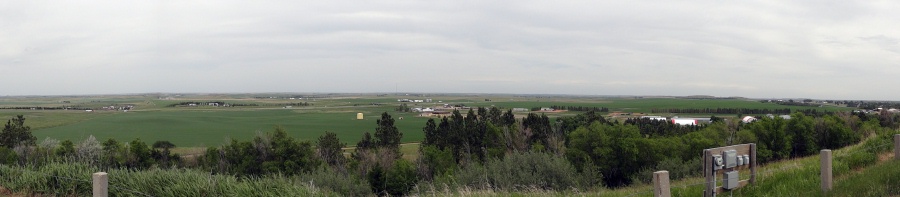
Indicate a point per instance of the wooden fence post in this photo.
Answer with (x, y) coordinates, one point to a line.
(661, 184)
(896, 146)
(827, 182)
(101, 184)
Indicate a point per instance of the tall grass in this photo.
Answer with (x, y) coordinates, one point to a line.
(67, 179)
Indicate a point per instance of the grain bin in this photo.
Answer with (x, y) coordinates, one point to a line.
(359, 116)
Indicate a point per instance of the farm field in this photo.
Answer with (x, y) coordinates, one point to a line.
(158, 119)
(207, 128)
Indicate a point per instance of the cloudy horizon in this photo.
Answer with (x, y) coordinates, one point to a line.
(760, 49)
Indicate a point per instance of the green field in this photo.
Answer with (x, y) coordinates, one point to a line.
(155, 119)
(213, 127)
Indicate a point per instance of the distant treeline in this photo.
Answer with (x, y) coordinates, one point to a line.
(288, 104)
(216, 103)
(574, 108)
(809, 112)
(798, 104)
(47, 108)
(654, 128)
(723, 111)
(873, 105)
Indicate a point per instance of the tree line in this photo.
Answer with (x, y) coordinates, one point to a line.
(722, 111)
(577, 108)
(48, 108)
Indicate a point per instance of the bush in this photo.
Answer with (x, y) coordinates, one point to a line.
(344, 183)
(8, 156)
(401, 178)
(524, 171)
(860, 159)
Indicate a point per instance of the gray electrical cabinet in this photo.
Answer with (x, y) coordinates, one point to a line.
(731, 180)
(730, 158)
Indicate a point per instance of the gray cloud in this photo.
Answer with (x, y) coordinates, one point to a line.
(830, 49)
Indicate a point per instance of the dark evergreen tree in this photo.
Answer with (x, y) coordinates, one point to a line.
(15, 133)
(431, 133)
(508, 118)
(386, 134)
(329, 149)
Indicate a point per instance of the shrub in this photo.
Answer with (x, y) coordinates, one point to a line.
(860, 159)
(401, 178)
(89, 150)
(522, 171)
(7, 156)
(346, 184)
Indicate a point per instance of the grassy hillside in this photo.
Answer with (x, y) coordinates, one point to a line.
(866, 169)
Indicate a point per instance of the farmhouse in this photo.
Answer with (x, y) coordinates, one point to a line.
(684, 121)
(654, 117)
(435, 114)
(519, 109)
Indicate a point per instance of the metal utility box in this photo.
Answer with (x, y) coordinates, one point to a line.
(723, 161)
(740, 161)
(730, 158)
(731, 180)
(718, 162)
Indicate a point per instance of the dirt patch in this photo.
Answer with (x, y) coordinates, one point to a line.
(885, 156)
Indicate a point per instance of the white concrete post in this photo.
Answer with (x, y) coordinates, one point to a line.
(897, 147)
(101, 184)
(827, 182)
(661, 184)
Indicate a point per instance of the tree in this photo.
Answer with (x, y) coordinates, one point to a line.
(773, 142)
(366, 142)
(386, 134)
(289, 156)
(508, 118)
(494, 115)
(15, 132)
(165, 155)
(112, 153)
(802, 131)
(139, 155)
(66, 149)
(401, 178)
(613, 149)
(329, 149)
(431, 134)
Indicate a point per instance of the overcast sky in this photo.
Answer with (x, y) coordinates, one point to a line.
(759, 49)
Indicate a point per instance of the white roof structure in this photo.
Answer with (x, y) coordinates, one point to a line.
(748, 119)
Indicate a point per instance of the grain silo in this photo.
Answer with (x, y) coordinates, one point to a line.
(359, 116)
